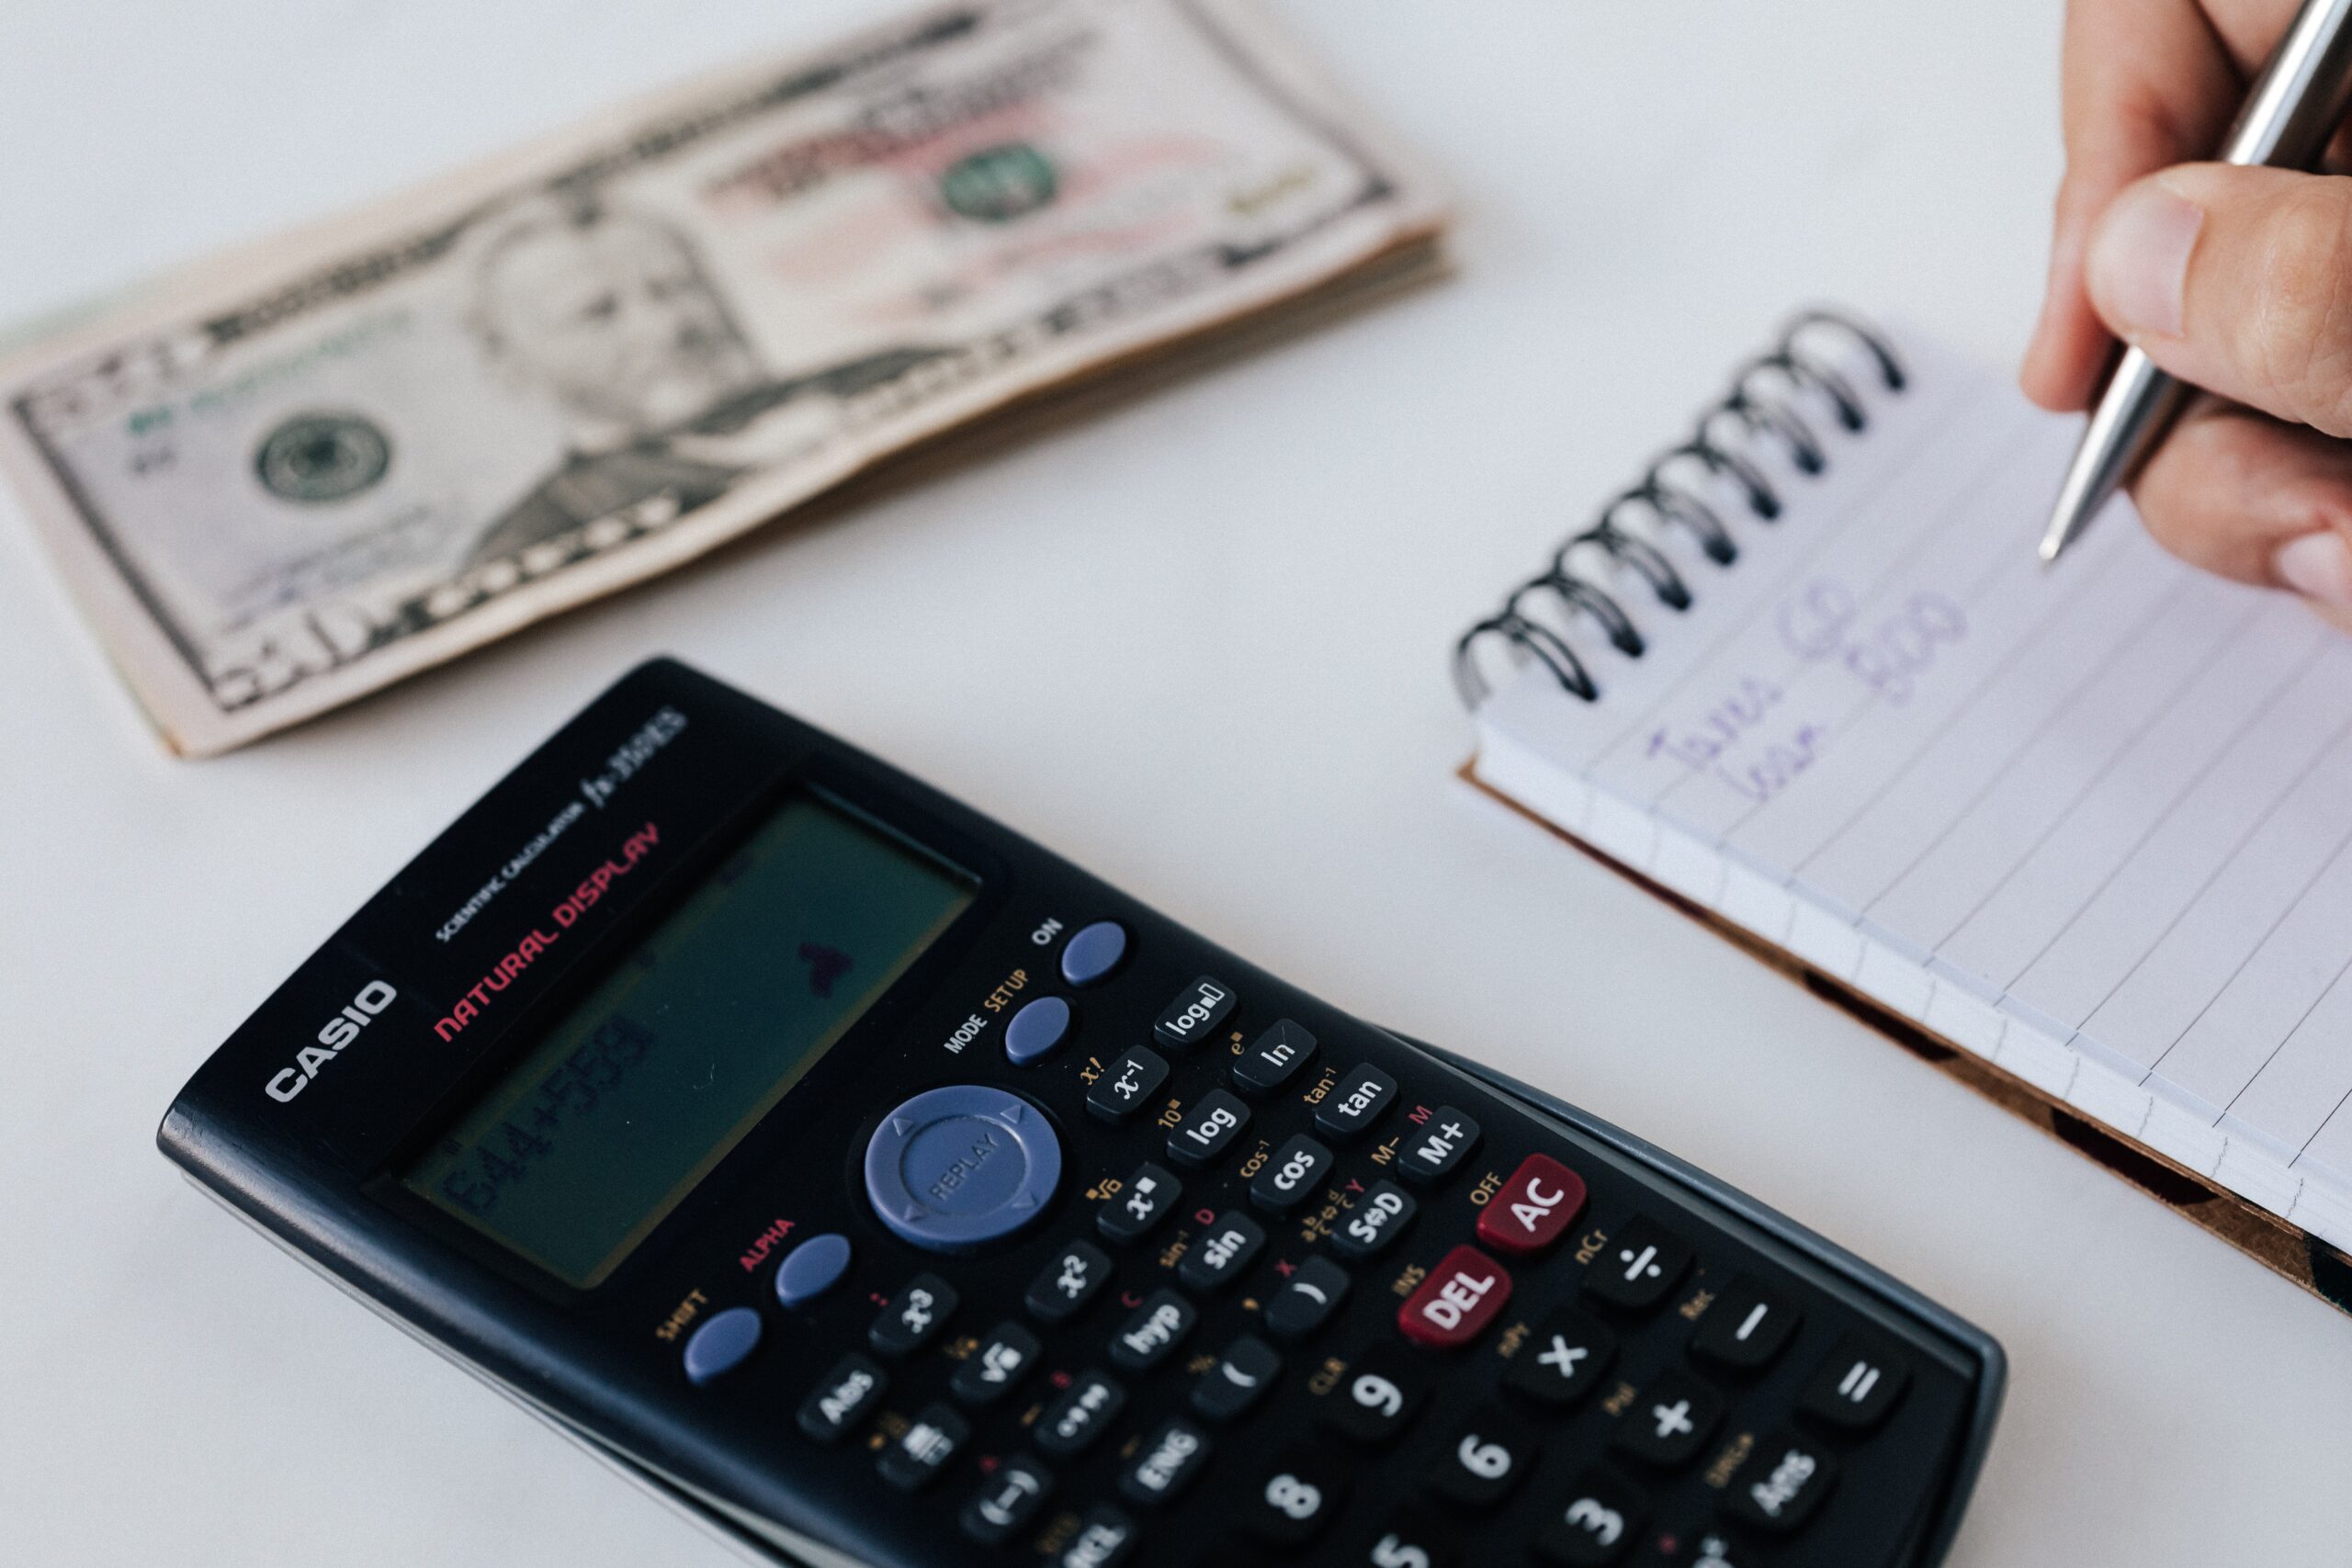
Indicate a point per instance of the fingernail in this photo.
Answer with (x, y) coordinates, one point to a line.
(2317, 566)
(2139, 262)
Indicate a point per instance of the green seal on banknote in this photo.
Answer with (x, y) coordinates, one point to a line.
(998, 184)
(316, 458)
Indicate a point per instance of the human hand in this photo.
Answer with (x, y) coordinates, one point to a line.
(2237, 279)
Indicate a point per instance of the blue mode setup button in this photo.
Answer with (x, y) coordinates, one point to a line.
(958, 1167)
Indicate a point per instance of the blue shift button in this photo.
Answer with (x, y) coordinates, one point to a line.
(811, 1269)
(1093, 951)
(958, 1167)
(722, 1344)
(1036, 1030)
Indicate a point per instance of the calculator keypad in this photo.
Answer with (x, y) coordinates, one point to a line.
(1006, 1501)
(1305, 1301)
(1148, 1197)
(1070, 1278)
(1223, 1253)
(1637, 1270)
(1129, 1085)
(1076, 1420)
(913, 1317)
(1274, 1058)
(1295, 1174)
(1358, 1104)
(1208, 1129)
(1153, 1331)
(1237, 1379)
(1351, 1320)
(996, 1366)
(923, 1450)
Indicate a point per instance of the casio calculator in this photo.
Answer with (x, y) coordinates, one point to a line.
(886, 1191)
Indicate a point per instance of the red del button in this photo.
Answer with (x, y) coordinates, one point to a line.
(1534, 1208)
(1455, 1304)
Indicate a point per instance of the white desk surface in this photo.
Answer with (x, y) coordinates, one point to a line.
(1197, 643)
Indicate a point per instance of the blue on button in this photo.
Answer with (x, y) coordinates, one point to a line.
(1036, 1029)
(958, 1167)
(723, 1344)
(1093, 951)
(811, 1269)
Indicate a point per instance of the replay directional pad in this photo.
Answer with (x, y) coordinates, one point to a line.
(958, 1167)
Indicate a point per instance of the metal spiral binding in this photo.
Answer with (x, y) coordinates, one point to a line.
(1758, 408)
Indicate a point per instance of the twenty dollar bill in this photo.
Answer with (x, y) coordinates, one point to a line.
(318, 467)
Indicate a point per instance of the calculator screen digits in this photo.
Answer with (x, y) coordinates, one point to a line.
(574, 1153)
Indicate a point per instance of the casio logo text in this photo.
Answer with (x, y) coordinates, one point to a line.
(333, 1035)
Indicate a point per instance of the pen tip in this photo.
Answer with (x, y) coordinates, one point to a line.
(2051, 545)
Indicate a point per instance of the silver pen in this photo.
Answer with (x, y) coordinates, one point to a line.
(2295, 107)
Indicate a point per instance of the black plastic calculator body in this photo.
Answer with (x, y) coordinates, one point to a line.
(888, 1191)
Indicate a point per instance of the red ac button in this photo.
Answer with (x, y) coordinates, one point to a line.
(1534, 1208)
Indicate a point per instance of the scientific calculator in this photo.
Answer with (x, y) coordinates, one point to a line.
(886, 1191)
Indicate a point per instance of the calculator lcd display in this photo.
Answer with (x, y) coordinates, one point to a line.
(576, 1151)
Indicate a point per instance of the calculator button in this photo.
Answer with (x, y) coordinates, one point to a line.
(1036, 1030)
(1070, 1280)
(1377, 1398)
(1167, 1463)
(1105, 1539)
(1208, 1128)
(811, 1269)
(1453, 1305)
(1435, 1149)
(1485, 1458)
(1153, 1330)
(996, 1366)
(1710, 1550)
(1360, 1100)
(1637, 1268)
(845, 1398)
(1094, 952)
(722, 1344)
(924, 1448)
(1372, 1226)
(1412, 1538)
(1670, 1422)
(1562, 1359)
(913, 1316)
(1195, 1015)
(1128, 1086)
(1307, 1300)
(955, 1167)
(1006, 1501)
(1301, 1494)
(1782, 1483)
(1746, 1328)
(1273, 1058)
(1075, 1419)
(1856, 1386)
(1146, 1198)
(1294, 1174)
(1223, 1253)
(1241, 1378)
(1594, 1524)
(1534, 1209)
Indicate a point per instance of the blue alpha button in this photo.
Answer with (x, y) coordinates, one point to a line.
(957, 1167)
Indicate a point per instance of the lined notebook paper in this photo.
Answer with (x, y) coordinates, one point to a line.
(2093, 823)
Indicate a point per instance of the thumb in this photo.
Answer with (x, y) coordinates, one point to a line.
(2238, 280)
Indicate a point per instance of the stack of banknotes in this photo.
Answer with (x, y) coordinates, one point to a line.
(307, 470)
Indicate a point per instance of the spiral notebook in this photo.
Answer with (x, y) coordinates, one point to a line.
(2082, 835)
